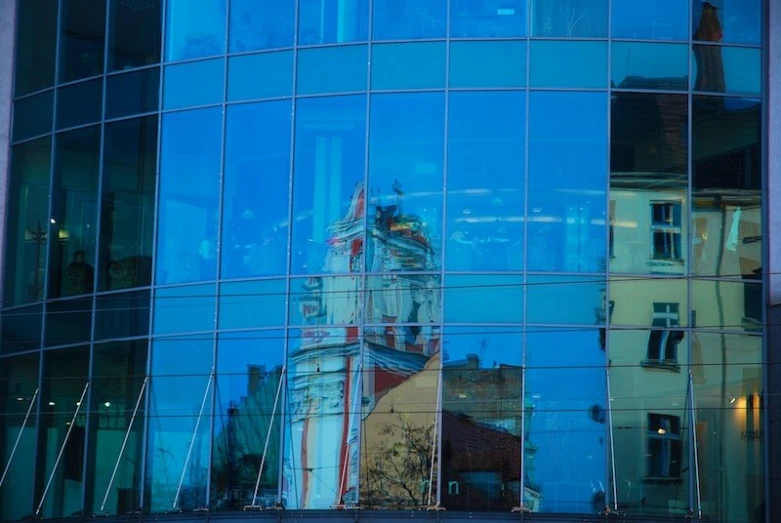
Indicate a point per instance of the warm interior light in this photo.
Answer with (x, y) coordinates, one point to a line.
(732, 400)
(661, 431)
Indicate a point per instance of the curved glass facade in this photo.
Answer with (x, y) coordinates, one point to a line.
(478, 255)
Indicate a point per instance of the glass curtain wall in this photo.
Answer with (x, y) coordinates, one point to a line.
(481, 255)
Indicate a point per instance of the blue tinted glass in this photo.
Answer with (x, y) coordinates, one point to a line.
(568, 64)
(488, 64)
(487, 18)
(194, 32)
(261, 24)
(328, 195)
(564, 388)
(180, 399)
(33, 115)
(406, 150)
(718, 69)
(193, 84)
(332, 69)
(408, 66)
(122, 315)
(68, 322)
(79, 104)
(332, 22)
(728, 21)
(132, 93)
(257, 162)
(664, 20)
(485, 181)
(582, 294)
(649, 66)
(248, 414)
(184, 309)
(484, 299)
(569, 19)
(481, 401)
(409, 19)
(189, 196)
(325, 300)
(567, 180)
(266, 75)
(252, 304)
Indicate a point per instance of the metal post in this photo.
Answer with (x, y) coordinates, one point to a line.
(19, 437)
(612, 442)
(192, 440)
(62, 449)
(268, 437)
(124, 444)
(693, 421)
(358, 385)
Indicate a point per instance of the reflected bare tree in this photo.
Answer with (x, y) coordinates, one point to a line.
(397, 471)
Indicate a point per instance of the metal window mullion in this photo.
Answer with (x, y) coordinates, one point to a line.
(688, 267)
(438, 411)
(220, 207)
(525, 252)
(612, 481)
(283, 415)
(362, 276)
(45, 290)
(153, 279)
(96, 260)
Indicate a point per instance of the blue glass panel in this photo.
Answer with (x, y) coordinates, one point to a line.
(322, 418)
(567, 180)
(406, 152)
(266, 75)
(569, 18)
(665, 20)
(325, 300)
(582, 294)
(488, 64)
(568, 64)
(328, 195)
(68, 322)
(187, 220)
(33, 116)
(728, 21)
(649, 66)
(21, 329)
(487, 18)
(485, 181)
(567, 401)
(248, 422)
(648, 183)
(408, 66)
(122, 315)
(194, 32)
(79, 104)
(261, 24)
(132, 93)
(409, 19)
(181, 395)
(482, 387)
(184, 309)
(411, 298)
(252, 304)
(332, 22)
(718, 69)
(257, 162)
(193, 83)
(332, 69)
(484, 299)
